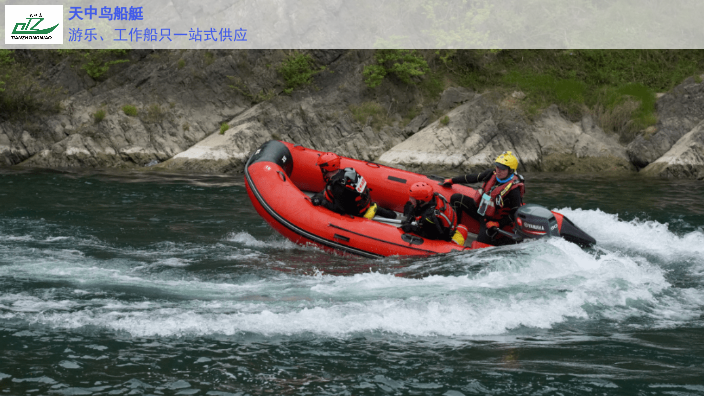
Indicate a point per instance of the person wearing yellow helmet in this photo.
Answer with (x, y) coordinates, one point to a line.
(500, 196)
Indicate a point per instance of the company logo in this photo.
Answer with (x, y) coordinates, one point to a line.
(31, 28)
(533, 226)
(34, 24)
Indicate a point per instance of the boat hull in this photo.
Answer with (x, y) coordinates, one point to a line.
(278, 175)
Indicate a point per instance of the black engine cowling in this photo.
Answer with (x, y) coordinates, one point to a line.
(534, 221)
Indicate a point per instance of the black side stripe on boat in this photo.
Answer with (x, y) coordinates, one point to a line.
(397, 179)
(380, 240)
(341, 237)
(299, 231)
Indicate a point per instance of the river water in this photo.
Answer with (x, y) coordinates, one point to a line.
(124, 284)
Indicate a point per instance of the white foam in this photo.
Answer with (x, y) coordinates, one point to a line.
(173, 262)
(26, 303)
(23, 238)
(55, 239)
(245, 239)
(534, 285)
(537, 284)
(275, 242)
(640, 236)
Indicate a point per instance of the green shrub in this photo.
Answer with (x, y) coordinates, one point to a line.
(21, 92)
(297, 70)
(180, 64)
(625, 110)
(6, 57)
(433, 85)
(261, 96)
(154, 114)
(129, 110)
(445, 120)
(98, 62)
(617, 86)
(404, 64)
(99, 115)
(223, 128)
(363, 111)
(544, 89)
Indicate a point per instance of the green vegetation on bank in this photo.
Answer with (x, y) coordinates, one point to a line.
(297, 70)
(240, 86)
(96, 62)
(403, 64)
(129, 110)
(99, 115)
(21, 93)
(24, 92)
(618, 87)
(364, 111)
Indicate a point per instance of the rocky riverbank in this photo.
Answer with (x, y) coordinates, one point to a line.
(183, 99)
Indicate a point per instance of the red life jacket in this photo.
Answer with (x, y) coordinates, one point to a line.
(495, 209)
(445, 216)
(435, 219)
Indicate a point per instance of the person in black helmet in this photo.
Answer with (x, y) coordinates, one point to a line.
(501, 195)
(346, 191)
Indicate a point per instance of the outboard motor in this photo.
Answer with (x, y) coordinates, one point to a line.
(534, 221)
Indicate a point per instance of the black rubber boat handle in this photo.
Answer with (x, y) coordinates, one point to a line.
(511, 235)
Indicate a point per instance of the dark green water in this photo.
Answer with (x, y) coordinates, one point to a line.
(123, 284)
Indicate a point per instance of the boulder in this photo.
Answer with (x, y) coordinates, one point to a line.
(479, 130)
(678, 112)
(183, 97)
(306, 121)
(468, 140)
(684, 160)
(176, 107)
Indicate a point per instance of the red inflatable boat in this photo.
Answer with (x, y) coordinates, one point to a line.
(280, 176)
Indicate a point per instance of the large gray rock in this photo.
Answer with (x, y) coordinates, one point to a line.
(183, 97)
(678, 112)
(684, 160)
(307, 122)
(180, 97)
(479, 130)
(470, 138)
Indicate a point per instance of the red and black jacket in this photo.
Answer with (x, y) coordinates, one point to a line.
(433, 220)
(346, 192)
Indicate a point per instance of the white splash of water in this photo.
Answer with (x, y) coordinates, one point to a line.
(537, 284)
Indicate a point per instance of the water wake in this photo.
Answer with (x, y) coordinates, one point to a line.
(625, 279)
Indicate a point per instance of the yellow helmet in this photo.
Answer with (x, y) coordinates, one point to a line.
(507, 159)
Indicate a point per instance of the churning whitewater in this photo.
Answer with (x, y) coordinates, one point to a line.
(170, 281)
(486, 292)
